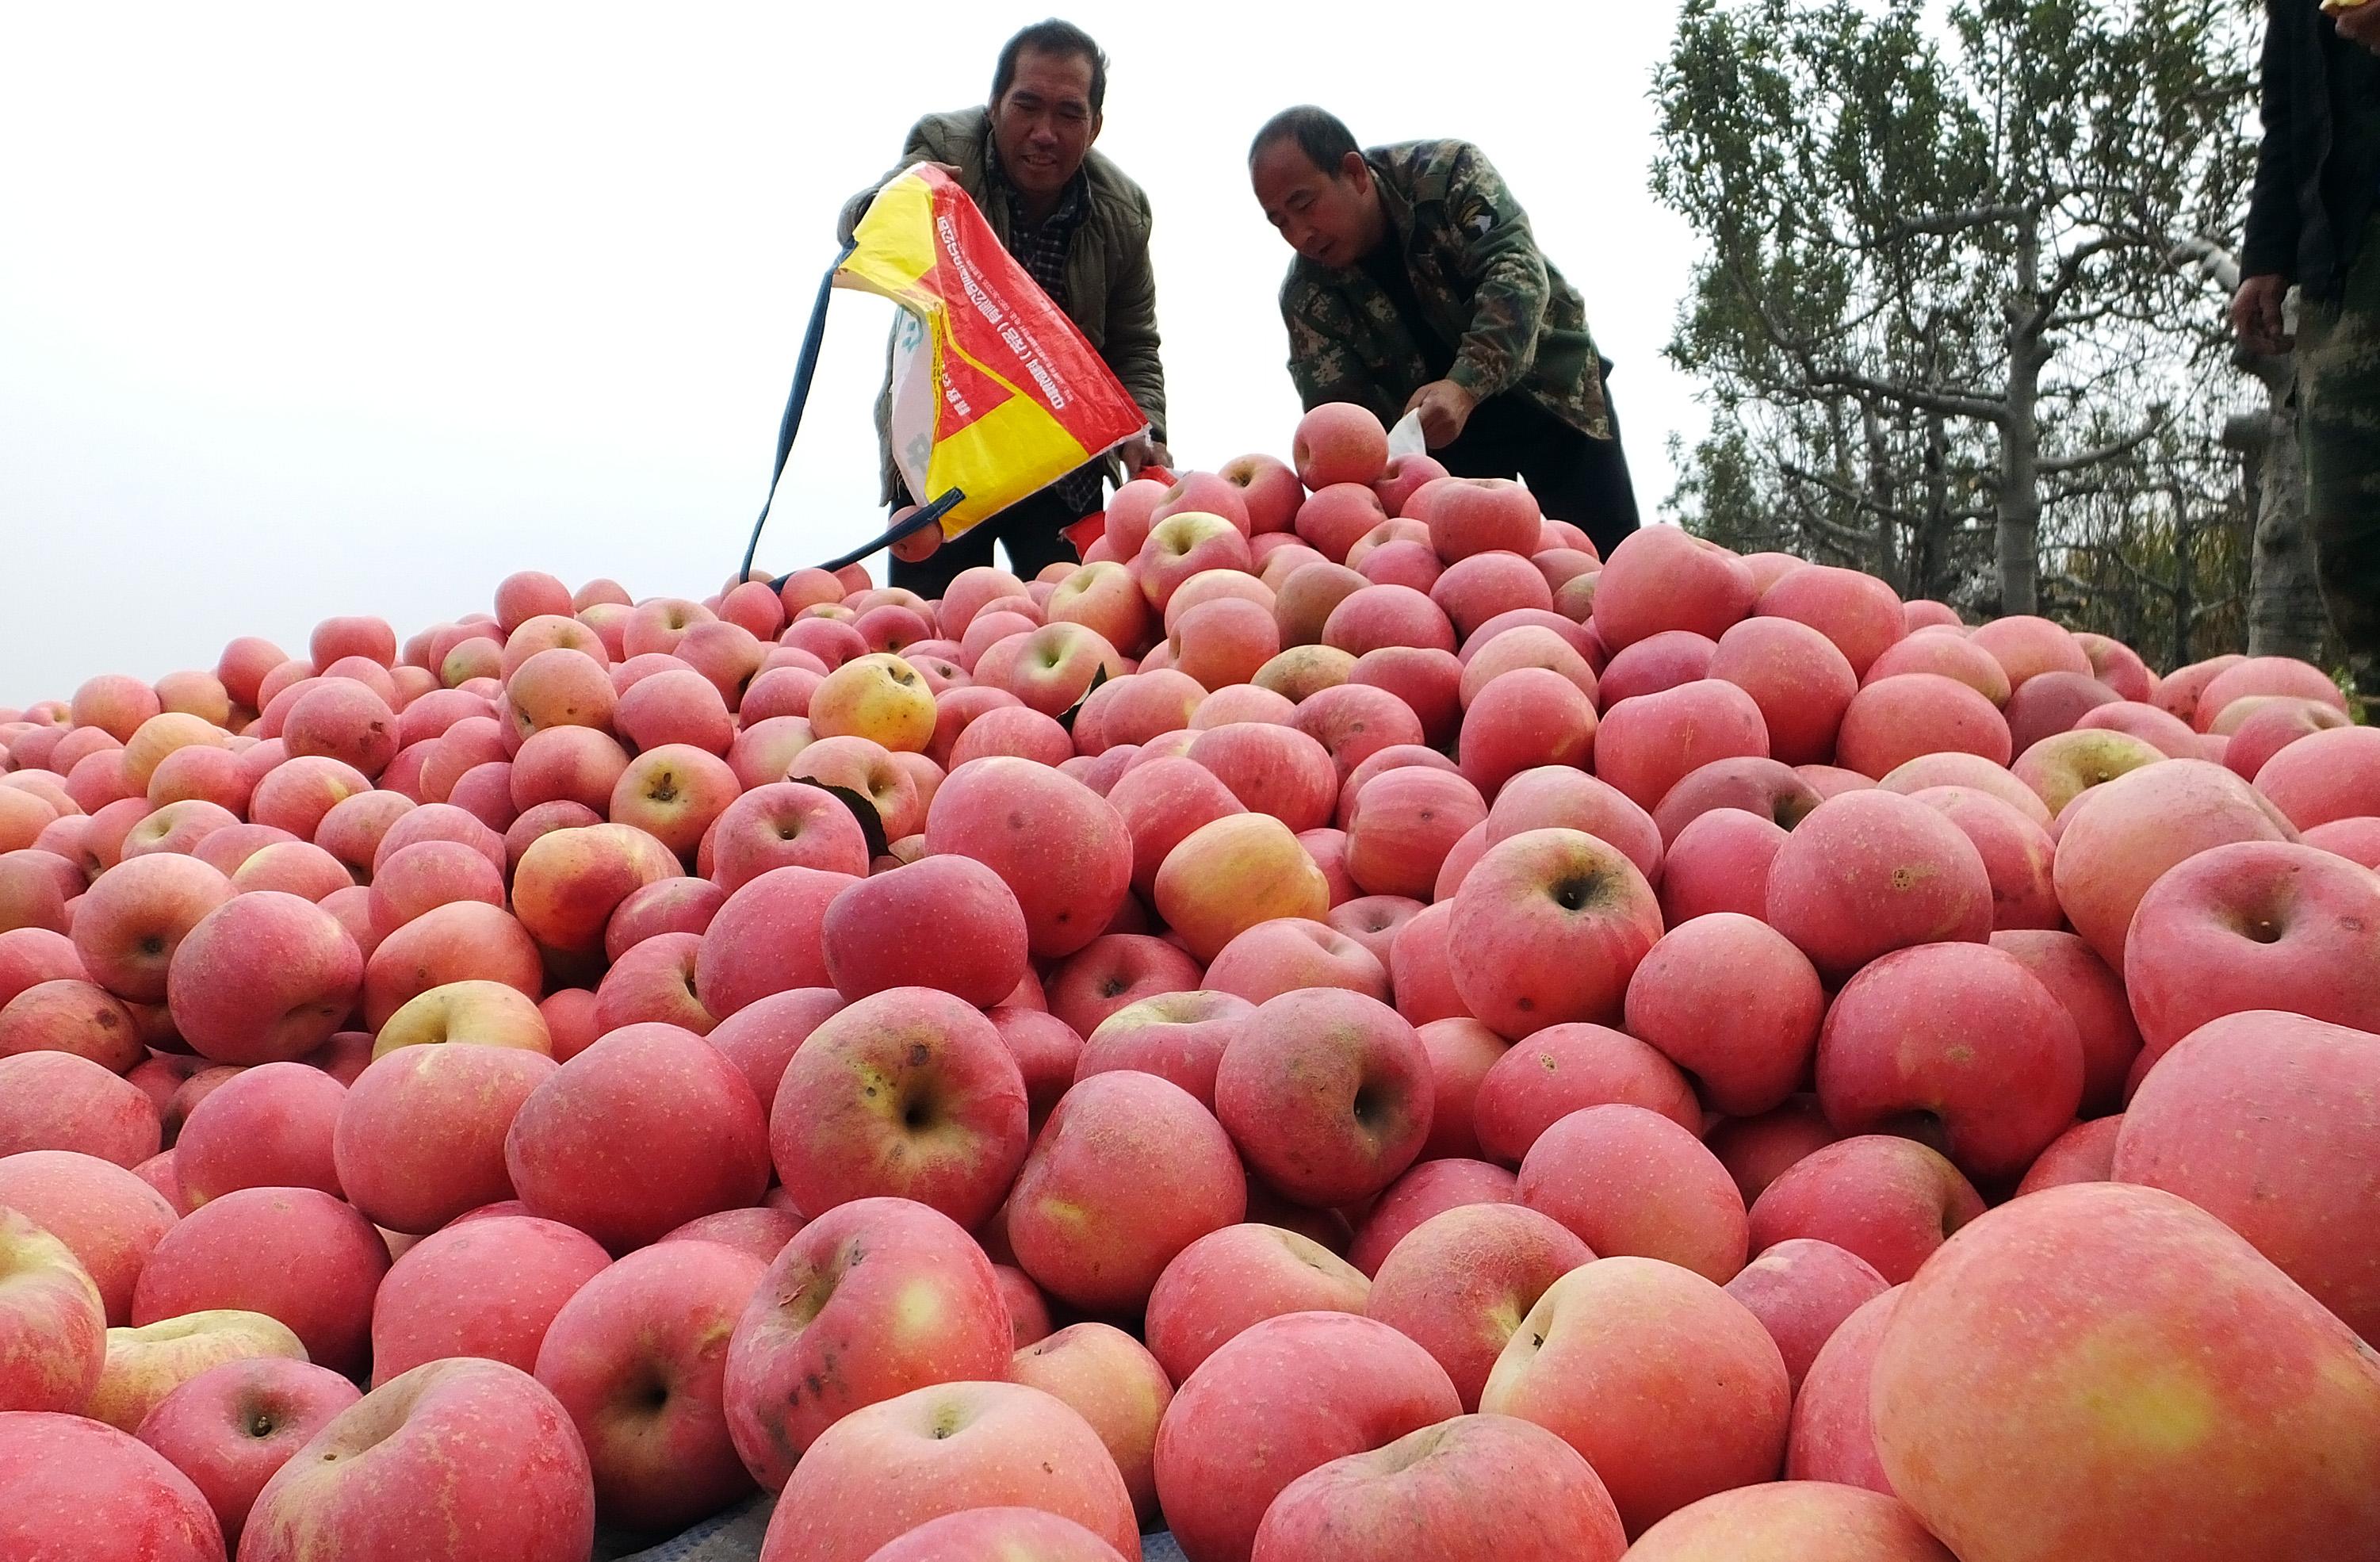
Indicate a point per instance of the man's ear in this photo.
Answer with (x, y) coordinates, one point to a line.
(1356, 172)
(1099, 119)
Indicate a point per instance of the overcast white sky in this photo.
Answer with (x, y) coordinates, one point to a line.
(309, 309)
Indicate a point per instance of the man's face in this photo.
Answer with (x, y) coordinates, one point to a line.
(1331, 218)
(1043, 125)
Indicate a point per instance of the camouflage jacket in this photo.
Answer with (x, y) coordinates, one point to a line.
(1482, 283)
(1111, 290)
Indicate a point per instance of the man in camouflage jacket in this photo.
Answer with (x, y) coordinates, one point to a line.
(1081, 228)
(1419, 286)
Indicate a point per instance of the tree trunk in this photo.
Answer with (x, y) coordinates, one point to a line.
(1885, 490)
(2020, 494)
(2285, 617)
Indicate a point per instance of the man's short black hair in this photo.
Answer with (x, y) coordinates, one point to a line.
(1063, 38)
(1320, 134)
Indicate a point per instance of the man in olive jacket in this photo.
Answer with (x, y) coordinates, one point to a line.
(1081, 228)
(2311, 223)
(1419, 287)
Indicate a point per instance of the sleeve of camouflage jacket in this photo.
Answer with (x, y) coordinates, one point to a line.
(919, 148)
(1511, 290)
(1322, 362)
(2271, 244)
(1132, 341)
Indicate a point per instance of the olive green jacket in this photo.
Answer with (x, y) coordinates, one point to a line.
(1111, 290)
(1483, 284)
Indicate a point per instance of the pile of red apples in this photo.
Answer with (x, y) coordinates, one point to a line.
(1344, 1027)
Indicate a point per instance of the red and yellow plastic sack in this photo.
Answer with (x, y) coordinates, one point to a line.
(994, 392)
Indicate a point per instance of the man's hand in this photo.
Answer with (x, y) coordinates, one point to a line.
(2359, 25)
(2256, 313)
(1142, 450)
(1445, 407)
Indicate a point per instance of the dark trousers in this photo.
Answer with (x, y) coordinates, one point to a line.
(1029, 529)
(1574, 476)
(2338, 348)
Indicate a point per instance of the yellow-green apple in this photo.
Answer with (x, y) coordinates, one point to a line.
(1890, 1201)
(53, 1324)
(2268, 1121)
(1709, 1384)
(1460, 1282)
(1833, 1434)
(1285, 1396)
(1180, 1037)
(1421, 1491)
(1734, 1005)
(1962, 1039)
(1061, 848)
(76, 1018)
(57, 1100)
(1802, 1290)
(106, 1217)
(2027, 646)
(2255, 926)
(869, 1301)
(148, 1363)
(1629, 1181)
(878, 696)
(1950, 655)
(268, 1128)
(427, 1487)
(136, 914)
(233, 1427)
(1129, 1170)
(1777, 1521)
(419, 1137)
(1113, 1382)
(2325, 778)
(638, 1360)
(2064, 765)
(70, 1487)
(489, 1284)
(482, 1013)
(569, 883)
(2170, 1394)
(1233, 873)
(1227, 1280)
(263, 977)
(1114, 971)
(885, 1469)
(908, 1093)
(638, 1134)
(1290, 953)
(1871, 872)
(1547, 928)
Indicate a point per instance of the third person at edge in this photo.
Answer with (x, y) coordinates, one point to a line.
(1418, 286)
